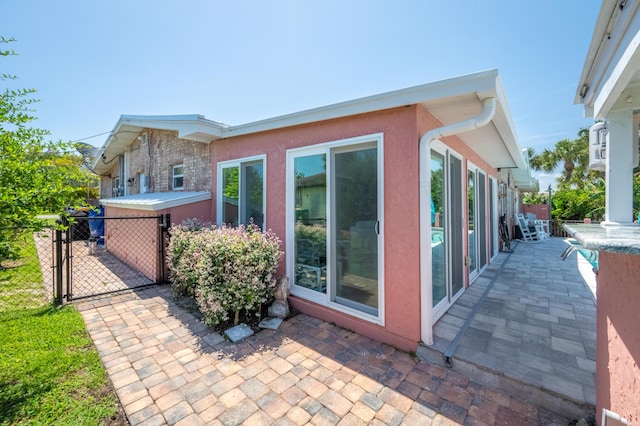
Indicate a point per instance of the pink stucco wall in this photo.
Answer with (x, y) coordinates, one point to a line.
(136, 242)
(402, 128)
(202, 210)
(618, 336)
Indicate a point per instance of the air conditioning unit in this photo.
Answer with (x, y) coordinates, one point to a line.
(598, 147)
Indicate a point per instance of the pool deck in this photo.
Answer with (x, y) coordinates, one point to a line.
(526, 325)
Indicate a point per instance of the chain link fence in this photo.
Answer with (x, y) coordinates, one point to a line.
(90, 256)
(27, 281)
(109, 254)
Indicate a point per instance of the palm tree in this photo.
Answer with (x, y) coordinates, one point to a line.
(573, 154)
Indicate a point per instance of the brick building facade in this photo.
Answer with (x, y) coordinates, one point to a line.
(149, 161)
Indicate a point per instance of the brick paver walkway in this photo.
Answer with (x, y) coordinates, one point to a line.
(168, 368)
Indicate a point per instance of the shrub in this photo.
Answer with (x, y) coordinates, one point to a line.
(225, 269)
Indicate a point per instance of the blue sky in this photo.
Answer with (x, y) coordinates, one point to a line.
(240, 61)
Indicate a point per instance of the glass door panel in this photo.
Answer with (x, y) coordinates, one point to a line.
(252, 194)
(471, 217)
(438, 235)
(482, 220)
(230, 191)
(355, 232)
(456, 221)
(310, 235)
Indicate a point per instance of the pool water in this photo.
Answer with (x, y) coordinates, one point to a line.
(590, 255)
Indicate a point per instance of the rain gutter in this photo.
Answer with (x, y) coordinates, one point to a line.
(426, 291)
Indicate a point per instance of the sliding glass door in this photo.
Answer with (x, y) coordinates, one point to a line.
(447, 224)
(337, 210)
(477, 220)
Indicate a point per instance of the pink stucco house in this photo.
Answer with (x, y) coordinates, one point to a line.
(387, 205)
(609, 89)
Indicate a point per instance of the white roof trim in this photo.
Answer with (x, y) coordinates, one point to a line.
(470, 89)
(156, 200)
(612, 60)
(192, 127)
(483, 83)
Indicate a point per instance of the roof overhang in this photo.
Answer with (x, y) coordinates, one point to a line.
(610, 79)
(191, 127)
(156, 201)
(449, 100)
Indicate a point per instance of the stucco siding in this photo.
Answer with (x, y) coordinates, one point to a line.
(401, 128)
(401, 216)
(134, 242)
(618, 338)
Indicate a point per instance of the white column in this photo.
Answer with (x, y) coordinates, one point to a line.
(621, 140)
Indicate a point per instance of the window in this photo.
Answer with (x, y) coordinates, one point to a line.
(335, 226)
(241, 192)
(117, 191)
(177, 174)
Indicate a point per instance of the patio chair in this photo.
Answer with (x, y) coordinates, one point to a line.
(539, 225)
(528, 234)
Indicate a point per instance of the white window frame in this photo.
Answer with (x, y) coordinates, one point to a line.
(493, 206)
(175, 176)
(115, 187)
(325, 299)
(479, 204)
(445, 304)
(239, 163)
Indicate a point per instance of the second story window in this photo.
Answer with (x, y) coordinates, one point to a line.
(178, 177)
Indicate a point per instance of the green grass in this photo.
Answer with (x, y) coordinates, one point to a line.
(21, 279)
(50, 371)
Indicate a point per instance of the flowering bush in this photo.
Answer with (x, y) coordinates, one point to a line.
(226, 269)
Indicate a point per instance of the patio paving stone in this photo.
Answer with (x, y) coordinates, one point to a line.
(542, 336)
(308, 371)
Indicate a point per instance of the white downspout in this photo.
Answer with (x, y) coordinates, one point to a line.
(426, 291)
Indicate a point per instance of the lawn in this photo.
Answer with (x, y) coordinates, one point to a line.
(50, 371)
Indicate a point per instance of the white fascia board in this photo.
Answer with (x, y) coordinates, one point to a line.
(618, 79)
(156, 201)
(507, 129)
(192, 127)
(609, 65)
(595, 47)
(483, 83)
(195, 125)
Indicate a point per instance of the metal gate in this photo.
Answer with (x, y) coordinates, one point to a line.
(101, 255)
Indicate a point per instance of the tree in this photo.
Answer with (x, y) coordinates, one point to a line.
(36, 176)
(535, 198)
(580, 203)
(572, 154)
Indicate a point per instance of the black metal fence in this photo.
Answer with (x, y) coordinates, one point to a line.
(102, 255)
(86, 257)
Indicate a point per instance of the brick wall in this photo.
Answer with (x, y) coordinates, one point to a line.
(165, 150)
(106, 182)
(155, 160)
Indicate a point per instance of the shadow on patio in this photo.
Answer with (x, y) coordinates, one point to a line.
(527, 326)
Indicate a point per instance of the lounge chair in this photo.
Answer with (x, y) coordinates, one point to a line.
(528, 234)
(539, 225)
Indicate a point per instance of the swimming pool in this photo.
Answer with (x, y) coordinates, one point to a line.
(590, 255)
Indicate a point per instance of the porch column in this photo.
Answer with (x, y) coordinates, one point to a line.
(621, 140)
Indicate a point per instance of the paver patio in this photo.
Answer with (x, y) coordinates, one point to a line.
(168, 368)
(527, 325)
